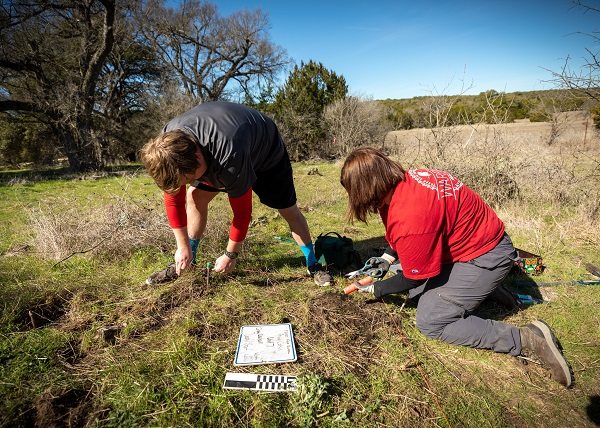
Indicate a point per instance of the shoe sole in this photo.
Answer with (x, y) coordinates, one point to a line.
(165, 275)
(551, 340)
(150, 281)
(320, 284)
(162, 281)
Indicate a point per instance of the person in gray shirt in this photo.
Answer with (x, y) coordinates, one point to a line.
(223, 147)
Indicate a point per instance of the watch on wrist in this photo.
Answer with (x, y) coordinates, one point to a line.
(231, 255)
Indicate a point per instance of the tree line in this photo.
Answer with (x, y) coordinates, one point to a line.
(92, 80)
(89, 79)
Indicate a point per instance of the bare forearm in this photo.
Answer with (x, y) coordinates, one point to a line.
(181, 237)
(234, 247)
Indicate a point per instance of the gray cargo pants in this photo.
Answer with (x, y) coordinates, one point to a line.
(447, 300)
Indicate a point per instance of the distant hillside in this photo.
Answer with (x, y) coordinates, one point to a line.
(487, 107)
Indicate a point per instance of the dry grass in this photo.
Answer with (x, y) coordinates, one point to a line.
(112, 229)
(547, 194)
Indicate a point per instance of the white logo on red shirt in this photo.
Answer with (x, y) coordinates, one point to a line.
(443, 183)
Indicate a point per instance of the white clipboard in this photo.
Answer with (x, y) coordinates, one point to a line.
(265, 344)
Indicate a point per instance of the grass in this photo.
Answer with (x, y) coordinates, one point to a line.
(77, 250)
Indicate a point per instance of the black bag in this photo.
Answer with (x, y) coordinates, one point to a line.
(337, 251)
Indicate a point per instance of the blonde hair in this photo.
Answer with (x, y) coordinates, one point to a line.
(168, 157)
(368, 175)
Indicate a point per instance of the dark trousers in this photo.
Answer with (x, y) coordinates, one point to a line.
(446, 303)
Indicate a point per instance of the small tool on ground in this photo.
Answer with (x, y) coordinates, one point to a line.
(526, 299)
(208, 267)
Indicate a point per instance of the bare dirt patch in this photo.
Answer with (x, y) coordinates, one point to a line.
(346, 327)
(41, 313)
(58, 408)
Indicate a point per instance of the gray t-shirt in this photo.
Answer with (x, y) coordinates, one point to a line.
(236, 141)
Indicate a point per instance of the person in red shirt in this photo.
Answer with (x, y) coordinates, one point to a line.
(453, 252)
(223, 147)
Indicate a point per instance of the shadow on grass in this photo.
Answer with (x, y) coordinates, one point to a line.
(525, 288)
(593, 409)
(372, 247)
(270, 274)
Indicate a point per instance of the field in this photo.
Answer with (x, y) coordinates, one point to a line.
(85, 343)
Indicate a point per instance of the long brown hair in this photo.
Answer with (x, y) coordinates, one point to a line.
(368, 175)
(169, 156)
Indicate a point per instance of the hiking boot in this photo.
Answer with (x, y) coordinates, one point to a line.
(538, 341)
(321, 277)
(504, 297)
(167, 274)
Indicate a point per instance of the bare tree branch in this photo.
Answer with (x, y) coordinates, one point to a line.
(212, 55)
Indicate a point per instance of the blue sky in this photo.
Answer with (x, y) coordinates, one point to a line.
(403, 49)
